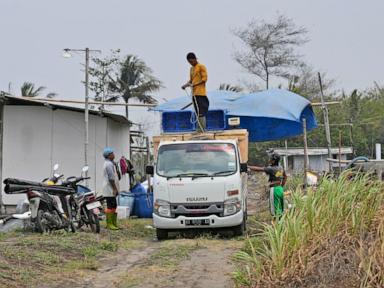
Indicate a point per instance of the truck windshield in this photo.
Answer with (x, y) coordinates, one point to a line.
(189, 159)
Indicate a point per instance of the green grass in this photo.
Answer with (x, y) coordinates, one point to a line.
(27, 259)
(337, 214)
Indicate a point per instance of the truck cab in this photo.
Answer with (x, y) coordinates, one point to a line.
(199, 184)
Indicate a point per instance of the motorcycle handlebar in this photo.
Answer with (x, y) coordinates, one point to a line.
(76, 180)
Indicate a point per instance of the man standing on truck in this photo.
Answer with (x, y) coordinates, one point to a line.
(110, 188)
(198, 78)
(277, 180)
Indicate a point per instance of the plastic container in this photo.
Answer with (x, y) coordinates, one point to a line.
(123, 212)
(216, 120)
(127, 199)
(178, 121)
(143, 205)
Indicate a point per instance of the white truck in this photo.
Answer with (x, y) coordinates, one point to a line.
(200, 181)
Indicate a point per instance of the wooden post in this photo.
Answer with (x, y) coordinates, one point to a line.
(305, 152)
(148, 161)
(340, 151)
(326, 122)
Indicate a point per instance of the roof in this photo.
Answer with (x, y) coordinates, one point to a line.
(312, 151)
(13, 100)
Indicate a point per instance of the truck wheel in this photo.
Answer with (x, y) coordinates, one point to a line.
(161, 234)
(239, 229)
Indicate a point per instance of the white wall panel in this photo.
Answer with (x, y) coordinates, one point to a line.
(26, 145)
(37, 137)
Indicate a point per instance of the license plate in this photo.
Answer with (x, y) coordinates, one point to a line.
(197, 222)
(93, 205)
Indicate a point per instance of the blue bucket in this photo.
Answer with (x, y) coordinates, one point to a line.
(143, 205)
(127, 199)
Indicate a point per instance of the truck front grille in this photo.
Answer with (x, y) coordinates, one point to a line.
(197, 209)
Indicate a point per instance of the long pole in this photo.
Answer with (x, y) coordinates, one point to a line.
(326, 122)
(86, 114)
(306, 164)
(340, 151)
(148, 161)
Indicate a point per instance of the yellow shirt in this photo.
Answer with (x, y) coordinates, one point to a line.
(199, 74)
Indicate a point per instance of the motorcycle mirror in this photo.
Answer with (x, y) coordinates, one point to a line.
(56, 167)
(85, 169)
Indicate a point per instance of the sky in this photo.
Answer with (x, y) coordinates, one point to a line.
(345, 40)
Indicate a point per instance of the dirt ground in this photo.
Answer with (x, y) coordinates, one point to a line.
(137, 259)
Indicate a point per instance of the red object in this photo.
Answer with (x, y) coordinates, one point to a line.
(123, 165)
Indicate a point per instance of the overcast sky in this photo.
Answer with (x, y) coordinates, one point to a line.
(346, 38)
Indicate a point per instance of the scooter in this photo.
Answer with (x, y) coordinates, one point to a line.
(46, 211)
(85, 208)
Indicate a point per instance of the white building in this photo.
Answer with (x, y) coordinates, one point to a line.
(35, 135)
(294, 158)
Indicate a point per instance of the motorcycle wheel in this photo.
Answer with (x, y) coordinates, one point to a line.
(94, 222)
(41, 222)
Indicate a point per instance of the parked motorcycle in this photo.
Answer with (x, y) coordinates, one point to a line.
(85, 208)
(49, 207)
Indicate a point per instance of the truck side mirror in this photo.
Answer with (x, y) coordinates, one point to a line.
(243, 167)
(149, 170)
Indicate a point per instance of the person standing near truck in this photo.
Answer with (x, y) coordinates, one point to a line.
(277, 180)
(110, 188)
(197, 81)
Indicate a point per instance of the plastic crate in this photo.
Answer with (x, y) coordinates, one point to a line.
(216, 120)
(178, 121)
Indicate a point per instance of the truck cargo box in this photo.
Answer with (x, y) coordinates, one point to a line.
(241, 135)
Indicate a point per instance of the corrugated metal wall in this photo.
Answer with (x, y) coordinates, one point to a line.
(35, 138)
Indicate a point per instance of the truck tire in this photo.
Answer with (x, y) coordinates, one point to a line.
(239, 230)
(161, 234)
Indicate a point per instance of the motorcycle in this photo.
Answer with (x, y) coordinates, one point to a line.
(48, 203)
(85, 208)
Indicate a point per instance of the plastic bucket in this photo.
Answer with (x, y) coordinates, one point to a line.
(127, 199)
(143, 205)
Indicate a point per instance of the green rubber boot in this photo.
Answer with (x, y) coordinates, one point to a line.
(110, 225)
(114, 220)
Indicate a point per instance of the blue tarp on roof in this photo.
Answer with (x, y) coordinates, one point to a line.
(269, 115)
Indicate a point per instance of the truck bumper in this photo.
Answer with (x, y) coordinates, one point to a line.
(214, 221)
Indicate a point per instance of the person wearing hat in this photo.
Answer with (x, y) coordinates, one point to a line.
(110, 187)
(277, 180)
(197, 81)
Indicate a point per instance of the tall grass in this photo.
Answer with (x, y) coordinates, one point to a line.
(338, 209)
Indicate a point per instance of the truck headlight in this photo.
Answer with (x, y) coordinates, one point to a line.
(231, 206)
(162, 208)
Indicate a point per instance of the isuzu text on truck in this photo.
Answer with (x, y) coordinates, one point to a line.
(200, 181)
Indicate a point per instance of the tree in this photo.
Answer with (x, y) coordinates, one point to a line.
(269, 47)
(28, 90)
(304, 81)
(229, 87)
(128, 79)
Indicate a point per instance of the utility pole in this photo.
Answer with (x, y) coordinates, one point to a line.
(86, 114)
(67, 54)
(326, 122)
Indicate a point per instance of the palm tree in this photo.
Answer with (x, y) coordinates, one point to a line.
(28, 90)
(134, 81)
(229, 87)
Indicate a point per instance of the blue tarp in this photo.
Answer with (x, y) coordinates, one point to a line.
(269, 115)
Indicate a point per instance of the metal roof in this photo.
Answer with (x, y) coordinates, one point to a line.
(13, 100)
(312, 151)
